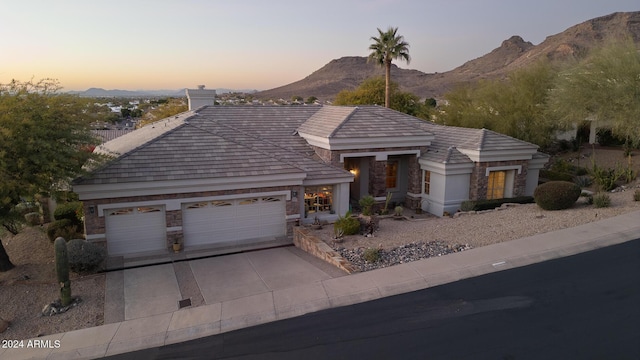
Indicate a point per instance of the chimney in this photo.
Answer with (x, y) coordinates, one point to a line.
(200, 97)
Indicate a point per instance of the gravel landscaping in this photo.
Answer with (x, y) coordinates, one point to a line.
(422, 236)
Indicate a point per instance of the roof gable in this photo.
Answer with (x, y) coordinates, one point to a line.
(361, 127)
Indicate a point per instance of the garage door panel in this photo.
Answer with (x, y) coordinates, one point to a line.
(234, 220)
(135, 229)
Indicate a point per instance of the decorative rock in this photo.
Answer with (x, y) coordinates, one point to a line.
(400, 255)
(57, 308)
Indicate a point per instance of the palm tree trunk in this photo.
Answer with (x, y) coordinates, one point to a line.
(387, 84)
(5, 263)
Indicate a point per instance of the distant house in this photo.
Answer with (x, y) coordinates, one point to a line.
(237, 177)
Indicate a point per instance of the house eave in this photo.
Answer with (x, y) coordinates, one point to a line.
(147, 188)
(499, 155)
(446, 168)
(367, 142)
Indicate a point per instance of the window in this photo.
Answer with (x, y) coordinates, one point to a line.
(148, 209)
(248, 201)
(217, 203)
(392, 174)
(497, 181)
(427, 182)
(126, 211)
(318, 199)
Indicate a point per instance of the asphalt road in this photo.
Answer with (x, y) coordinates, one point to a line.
(585, 306)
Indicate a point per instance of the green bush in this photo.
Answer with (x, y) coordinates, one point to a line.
(33, 218)
(606, 178)
(62, 228)
(25, 208)
(366, 203)
(601, 200)
(480, 205)
(636, 195)
(371, 255)
(85, 257)
(556, 195)
(71, 210)
(346, 225)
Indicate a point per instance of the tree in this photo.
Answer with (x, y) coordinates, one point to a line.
(605, 86)
(372, 92)
(388, 46)
(515, 106)
(166, 108)
(44, 141)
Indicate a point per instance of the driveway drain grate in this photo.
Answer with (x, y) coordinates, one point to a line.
(184, 303)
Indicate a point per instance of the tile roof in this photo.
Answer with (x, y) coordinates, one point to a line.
(219, 142)
(449, 139)
(361, 122)
(108, 135)
(234, 141)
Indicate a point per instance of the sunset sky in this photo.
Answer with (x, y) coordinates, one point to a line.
(251, 44)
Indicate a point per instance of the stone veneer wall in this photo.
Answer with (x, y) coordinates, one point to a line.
(305, 240)
(480, 182)
(378, 170)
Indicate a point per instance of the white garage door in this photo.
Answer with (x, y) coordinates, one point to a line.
(135, 229)
(219, 221)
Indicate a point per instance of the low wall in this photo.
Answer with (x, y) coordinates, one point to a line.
(304, 239)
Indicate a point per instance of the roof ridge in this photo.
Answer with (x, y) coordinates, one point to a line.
(483, 138)
(344, 121)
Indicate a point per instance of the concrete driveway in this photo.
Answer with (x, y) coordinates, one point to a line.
(158, 289)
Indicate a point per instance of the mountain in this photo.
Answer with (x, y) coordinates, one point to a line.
(514, 53)
(99, 92)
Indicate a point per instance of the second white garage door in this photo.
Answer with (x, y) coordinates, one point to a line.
(221, 221)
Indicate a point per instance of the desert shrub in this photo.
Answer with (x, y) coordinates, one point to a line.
(480, 205)
(71, 210)
(607, 138)
(398, 210)
(85, 257)
(636, 195)
(371, 255)
(555, 175)
(605, 178)
(556, 195)
(467, 205)
(366, 203)
(583, 181)
(32, 218)
(587, 196)
(601, 200)
(25, 208)
(62, 228)
(346, 225)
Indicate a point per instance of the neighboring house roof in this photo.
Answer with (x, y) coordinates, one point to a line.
(133, 139)
(108, 135)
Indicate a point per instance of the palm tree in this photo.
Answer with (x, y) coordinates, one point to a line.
(385, 48)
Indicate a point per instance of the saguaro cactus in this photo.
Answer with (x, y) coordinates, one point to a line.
(62, 270)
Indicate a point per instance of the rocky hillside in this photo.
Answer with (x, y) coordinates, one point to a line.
(514, 53)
